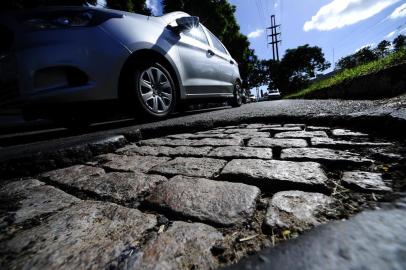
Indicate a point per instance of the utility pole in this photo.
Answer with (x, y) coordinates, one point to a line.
(274, 35)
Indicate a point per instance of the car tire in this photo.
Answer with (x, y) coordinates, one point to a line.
(236, 100)
(153, 90)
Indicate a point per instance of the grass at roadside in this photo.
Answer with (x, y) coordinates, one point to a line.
(348, 74)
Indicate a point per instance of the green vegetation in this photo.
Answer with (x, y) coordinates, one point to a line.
(392, 59)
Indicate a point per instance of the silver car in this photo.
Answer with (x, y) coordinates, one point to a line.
(69, 58)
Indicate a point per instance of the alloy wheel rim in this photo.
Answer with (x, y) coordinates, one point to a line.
(155, 90)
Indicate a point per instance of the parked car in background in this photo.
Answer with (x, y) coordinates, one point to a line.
(274, 94)
(264, 98)
(245, 96)
(72, 59)
(253, 98)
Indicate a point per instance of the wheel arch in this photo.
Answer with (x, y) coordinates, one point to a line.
(144, 55)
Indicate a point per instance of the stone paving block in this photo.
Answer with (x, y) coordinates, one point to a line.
(190, 151)
(207, 200)
(370, 240)
(179, 136)
(218, 142)
(246, 136)
(166, 142)
(164, 151)
(282, 143)
(303, 126)
(240, 130)
(387, 155)
(365, 181)
(131, 163)
(259, 126)
(211, 131)
(73, 174)
(200, 167)
(276, 174)
(317, 128)
(323, 155)
(200, 136)
(182, 246)
(331, 143)
(347, 133)
(133, 149)
(122, 187)
(28, 199)
(282, 129)
(301, 134)
(296, 210)
(241, 152)
(88, 235)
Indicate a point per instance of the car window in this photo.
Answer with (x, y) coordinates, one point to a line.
(198, 34)
(217, 43)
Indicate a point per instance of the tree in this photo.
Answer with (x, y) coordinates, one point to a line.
(296, 68)
(218, 16)
(19, 4)
(365, 55)
(383, 48)
(259, 74)
(362, 56)
(399, 43)
(347, 62)
(137, 6)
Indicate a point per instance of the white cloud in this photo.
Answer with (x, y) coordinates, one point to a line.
(399, 12)
(101, 3)
(255, 34)
(391, 34)
(371, 45)
(400, 30)
(153, 5)
(340, 13)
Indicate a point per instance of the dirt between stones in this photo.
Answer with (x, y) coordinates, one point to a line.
(190, 221)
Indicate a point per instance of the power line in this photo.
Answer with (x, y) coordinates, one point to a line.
(260, 14)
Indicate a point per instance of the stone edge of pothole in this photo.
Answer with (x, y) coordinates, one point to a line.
(73, 150)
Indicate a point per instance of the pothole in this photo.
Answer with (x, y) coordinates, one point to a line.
(242, 188)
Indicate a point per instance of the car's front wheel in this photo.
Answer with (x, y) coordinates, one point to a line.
(236, 100)
(153, 90)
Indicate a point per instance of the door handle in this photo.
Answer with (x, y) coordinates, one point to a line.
(210, 52)
(231, 62)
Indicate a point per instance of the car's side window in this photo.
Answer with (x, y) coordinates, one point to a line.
(198, 34)
(217, 43)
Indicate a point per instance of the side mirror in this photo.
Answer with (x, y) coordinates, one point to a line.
(187, 23)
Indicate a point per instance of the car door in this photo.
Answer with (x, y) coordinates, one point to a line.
(223, 63)
(198, 68)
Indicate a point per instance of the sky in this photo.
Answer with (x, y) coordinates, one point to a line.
(339, 27)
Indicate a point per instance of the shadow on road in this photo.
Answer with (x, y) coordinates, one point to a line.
(14, 131)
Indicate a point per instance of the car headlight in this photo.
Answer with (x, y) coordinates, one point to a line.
(60, 19)
(74, 20)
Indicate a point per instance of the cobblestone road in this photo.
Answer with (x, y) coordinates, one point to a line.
(194, 201)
